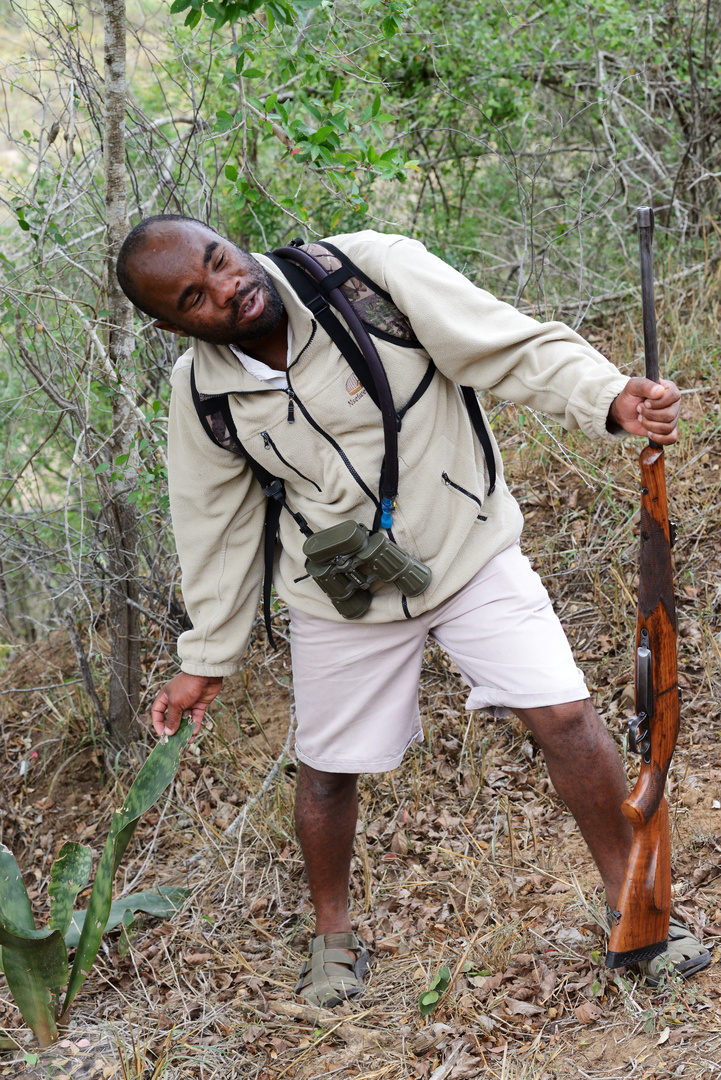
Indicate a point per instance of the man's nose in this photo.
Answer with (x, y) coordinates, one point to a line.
(225, 288)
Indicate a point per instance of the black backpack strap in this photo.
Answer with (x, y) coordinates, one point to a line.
(272, 521)
(214, 414)
(356, 272)
(313, 296)
(469, 396)
(211, 410)
(376, 376)
(418, 392)
(474, 411)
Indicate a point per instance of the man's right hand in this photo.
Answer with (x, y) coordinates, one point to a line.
(184, 693)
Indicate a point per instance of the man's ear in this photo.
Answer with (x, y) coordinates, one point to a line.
(160, 324)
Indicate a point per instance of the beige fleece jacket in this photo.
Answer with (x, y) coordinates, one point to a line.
(330, 455)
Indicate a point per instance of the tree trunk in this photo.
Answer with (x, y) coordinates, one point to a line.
(120, 515)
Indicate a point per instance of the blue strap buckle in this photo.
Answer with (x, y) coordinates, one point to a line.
(387, 507)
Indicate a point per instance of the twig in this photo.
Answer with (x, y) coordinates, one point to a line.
(443, 1070)
(33, 689)
(356, 1038)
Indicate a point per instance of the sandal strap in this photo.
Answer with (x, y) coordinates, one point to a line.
(329, 975)
(346, 940)
(331, 956)
(678, 930)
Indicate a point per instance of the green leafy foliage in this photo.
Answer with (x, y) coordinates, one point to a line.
(35, 964)
(329, 138)
(429, 999)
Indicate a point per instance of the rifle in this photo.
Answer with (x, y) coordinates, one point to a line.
(640, 925)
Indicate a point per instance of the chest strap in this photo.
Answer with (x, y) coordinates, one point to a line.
(361, 353)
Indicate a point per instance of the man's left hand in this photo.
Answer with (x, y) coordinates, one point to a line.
(648, 408)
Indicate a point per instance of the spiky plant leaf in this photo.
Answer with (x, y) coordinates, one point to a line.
(35, 963)
(15, 908)
(150, 783)
(163, 902)
(68, 876)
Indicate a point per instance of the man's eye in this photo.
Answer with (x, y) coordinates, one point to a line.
(196, 299)
(220, 262)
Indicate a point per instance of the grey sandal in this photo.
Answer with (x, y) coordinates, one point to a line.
(685, 955)
(329, 976)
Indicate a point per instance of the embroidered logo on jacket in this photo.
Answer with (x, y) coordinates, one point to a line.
(355, 389)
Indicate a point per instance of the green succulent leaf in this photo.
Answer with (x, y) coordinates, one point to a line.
(162, 902)
(34, 961)
(15, 909)
(427, 1002)
(68, 876)
(36, 968)
(149, 785)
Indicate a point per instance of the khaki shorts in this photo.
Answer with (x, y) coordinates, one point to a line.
(356, 684)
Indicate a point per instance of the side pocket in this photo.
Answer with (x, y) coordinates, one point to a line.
(270, 445)
(469, 494)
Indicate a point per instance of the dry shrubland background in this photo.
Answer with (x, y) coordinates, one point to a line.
(465, 857)
(524, 173)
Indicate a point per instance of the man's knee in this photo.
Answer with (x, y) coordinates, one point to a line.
(565, 723)
(323, 785)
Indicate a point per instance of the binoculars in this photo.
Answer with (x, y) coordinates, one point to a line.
(345, 560)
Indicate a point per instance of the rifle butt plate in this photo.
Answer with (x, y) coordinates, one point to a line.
(634, 956)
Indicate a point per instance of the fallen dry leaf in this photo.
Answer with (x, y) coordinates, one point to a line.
(587, 1013)
(522, 1008)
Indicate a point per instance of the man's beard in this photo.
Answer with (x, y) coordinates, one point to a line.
(266, 322)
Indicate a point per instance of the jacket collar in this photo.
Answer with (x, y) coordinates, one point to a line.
(218, 371)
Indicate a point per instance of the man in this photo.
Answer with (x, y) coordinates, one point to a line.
(299, 410)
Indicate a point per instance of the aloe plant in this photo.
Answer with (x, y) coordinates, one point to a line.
(35, 961)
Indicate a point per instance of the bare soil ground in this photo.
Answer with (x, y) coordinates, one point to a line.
(465, 856)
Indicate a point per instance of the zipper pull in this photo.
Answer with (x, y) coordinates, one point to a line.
(266, 439)
(291, 407)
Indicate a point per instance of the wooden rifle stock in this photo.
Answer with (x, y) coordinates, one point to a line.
(640, 925)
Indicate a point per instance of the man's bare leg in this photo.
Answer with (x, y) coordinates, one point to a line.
(587, 772)
(583, 763)
(326, 811)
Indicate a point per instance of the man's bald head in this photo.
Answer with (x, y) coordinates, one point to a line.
(195, 282)
(135, 244)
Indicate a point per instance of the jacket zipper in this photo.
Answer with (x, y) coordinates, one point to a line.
(329, 438)
(449, 483)
(270, 445)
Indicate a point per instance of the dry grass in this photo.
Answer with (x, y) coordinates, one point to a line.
(465, 857)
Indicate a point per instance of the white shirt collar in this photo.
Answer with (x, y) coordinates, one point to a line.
(275, 380)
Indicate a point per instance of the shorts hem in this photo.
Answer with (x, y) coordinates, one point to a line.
(346, 767)
(486, 697)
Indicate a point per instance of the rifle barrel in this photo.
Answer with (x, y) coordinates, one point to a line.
(644, 218)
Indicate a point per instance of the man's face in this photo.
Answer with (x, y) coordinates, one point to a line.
(204, 286)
